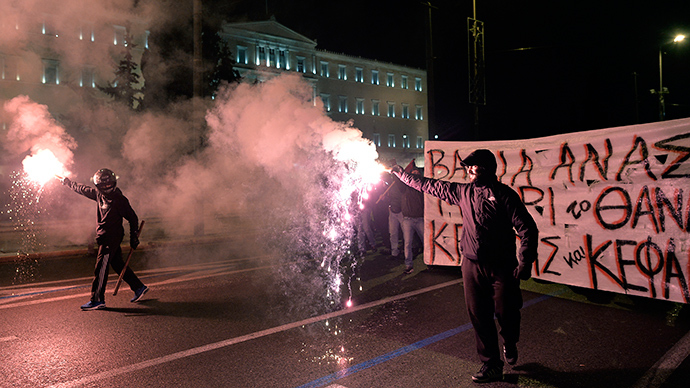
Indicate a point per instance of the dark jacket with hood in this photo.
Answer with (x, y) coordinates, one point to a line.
(112, 208)
(491, 212)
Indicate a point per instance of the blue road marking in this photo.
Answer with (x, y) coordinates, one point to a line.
(404, 350)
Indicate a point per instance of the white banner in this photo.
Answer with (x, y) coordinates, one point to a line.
(612, 205)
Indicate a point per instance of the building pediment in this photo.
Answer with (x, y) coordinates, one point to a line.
(269, 28)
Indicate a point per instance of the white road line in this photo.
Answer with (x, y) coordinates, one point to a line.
(10, 338)
(244, 338)
(11, 304)
(666, 365)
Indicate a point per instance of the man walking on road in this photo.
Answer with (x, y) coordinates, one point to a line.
(113, 206)
(492, 214)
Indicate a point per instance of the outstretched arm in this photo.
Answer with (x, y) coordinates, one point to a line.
(447, 191)
(87, 191)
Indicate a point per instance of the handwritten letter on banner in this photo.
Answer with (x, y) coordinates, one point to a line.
(612, 205)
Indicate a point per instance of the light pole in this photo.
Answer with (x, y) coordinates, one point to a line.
(663, 91)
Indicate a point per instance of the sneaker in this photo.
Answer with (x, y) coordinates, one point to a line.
(488, 373)
(510, 353)
(93, 306)
(138, 294)
(408, 270)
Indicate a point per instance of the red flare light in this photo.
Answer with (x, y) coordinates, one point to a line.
(42, 166)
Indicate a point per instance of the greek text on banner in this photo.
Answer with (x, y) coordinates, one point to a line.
(612, 205)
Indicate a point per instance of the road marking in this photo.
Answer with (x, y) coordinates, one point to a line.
(404, 350)
(666, 365)
(8, 301)
(10, 338)
(232, 341)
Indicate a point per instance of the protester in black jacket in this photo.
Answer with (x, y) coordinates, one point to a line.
(113, 206)
(492, 213)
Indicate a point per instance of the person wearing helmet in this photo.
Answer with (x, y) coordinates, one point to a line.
(492, 214)
(113, 206)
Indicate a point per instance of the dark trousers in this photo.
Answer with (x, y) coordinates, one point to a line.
(113, 257)
(492, 291)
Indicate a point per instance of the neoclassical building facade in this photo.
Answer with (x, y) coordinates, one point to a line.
(387, 102)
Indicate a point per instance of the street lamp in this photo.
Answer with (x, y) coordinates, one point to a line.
(663, 91)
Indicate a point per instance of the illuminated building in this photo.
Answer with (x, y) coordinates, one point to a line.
(56, 61)
(57, 56)
(387, 102)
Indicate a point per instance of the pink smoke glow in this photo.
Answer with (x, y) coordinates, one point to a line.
(43, 166)
(33, 130)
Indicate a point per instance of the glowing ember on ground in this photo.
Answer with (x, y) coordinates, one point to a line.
(349, 303)
(42, 166)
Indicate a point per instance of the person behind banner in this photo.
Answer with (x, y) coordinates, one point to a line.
(113, 206)
(412, 206)
(395, 216)
(492, 214)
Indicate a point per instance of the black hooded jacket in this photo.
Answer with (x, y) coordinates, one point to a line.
(112, 208)
(492, 212)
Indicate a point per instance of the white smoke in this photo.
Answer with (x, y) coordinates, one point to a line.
(267, 154)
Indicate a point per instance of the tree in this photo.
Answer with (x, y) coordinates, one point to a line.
(224, 70)
(126, 87)
(171, 50)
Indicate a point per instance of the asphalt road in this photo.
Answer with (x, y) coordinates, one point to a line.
(231, 318)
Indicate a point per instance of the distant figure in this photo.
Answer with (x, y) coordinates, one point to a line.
(364, 218)
(412, 206)
(113, 206)
(395, 216)
(491, 214)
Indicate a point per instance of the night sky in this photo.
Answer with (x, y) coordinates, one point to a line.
(551, 66)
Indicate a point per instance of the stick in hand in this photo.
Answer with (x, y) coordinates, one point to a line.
(131, 251)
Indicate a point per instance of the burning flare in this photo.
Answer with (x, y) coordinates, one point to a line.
(42, 166)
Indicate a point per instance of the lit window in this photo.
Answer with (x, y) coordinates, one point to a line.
(375, 77)
(403, 81)
(261, 55)
(418, 84)
(342, 104)
(119, 36)
(405, 111)
(241, 55)
(9, 68)
(271, 57)
(377, 139)
(359, 74)
(48, 27)
(86, 32)
(88, 78)
(391, 140)
(420, 142)
(375, 108)
(389, 80)
(14, 67)
(326, 98)
(391, 109)
(406, 142)
(282, 60)
(359, 109)
(50, 72)
(300, 65)
(342, 72)
(324, 69)
(418, 112)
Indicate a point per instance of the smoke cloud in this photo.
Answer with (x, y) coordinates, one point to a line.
(267, 155)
